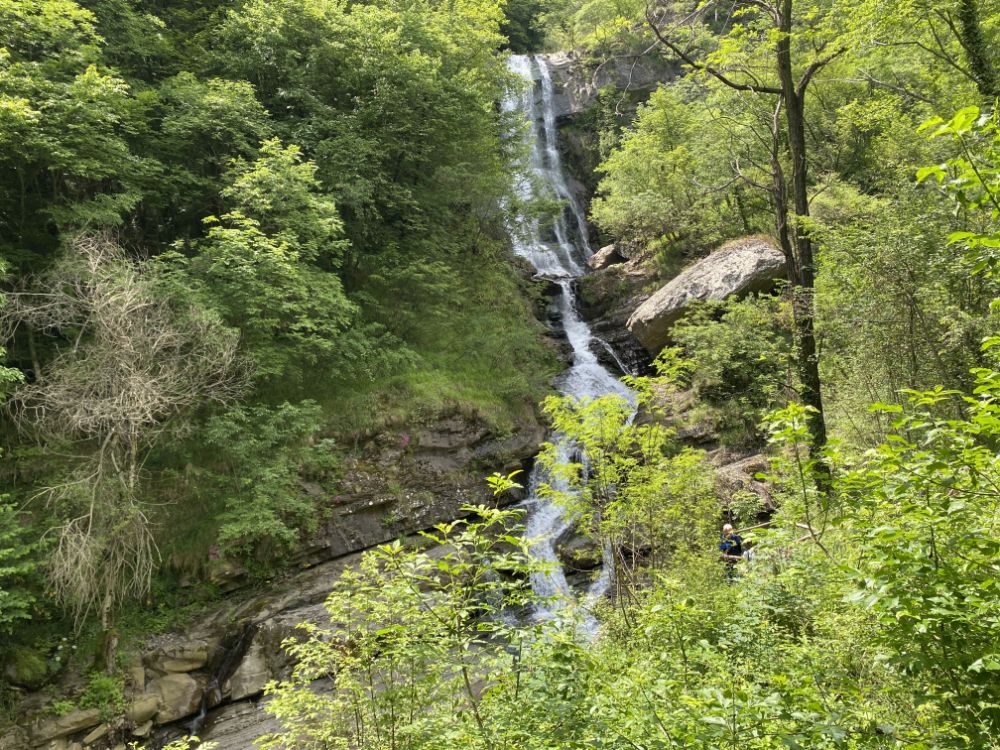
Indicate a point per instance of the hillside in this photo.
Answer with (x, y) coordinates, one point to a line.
(538, 374)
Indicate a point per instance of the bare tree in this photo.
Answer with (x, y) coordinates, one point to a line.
(131, 361)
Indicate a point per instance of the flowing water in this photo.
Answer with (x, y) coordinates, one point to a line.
(558, 249)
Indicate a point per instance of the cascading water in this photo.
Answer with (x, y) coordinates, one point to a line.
(557, 248)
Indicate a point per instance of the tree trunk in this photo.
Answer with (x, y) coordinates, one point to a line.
(977, 50)
(106, 648)
(803, 273)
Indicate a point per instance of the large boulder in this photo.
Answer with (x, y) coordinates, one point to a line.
(606, 256)
(577, 552)
(180, 654)
(26, 668)
(179, 696)
(737, 268)
(741, 476)
(46, 730)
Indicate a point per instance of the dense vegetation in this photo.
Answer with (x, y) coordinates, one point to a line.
(870, 616)
(266, 212)
(236, 236)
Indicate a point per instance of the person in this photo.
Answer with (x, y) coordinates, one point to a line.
(731, 545)
(731, 548)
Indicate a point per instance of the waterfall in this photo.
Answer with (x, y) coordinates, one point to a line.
(558, 249)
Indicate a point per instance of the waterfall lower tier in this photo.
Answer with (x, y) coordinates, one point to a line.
(558, 247)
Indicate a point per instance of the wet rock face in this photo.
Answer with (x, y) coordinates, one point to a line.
(736, 269)
(403, 481)
(577, 82)
(608, 297)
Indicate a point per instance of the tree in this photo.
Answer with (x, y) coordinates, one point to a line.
(947, 34)
(268, 265)
(394, 103)
(925, 511)
(632, 488)
(194, 129)
(64, 127)
(260, 457)
(17, 567)
(799, 46)
(130, 362)
(417, 640)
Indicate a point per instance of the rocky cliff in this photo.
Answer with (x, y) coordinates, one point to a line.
(578, 80)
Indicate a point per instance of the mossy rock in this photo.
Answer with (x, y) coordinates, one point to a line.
(26, 668)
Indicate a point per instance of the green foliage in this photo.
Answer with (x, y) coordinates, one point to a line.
(896, 309)
(63, 707)
(741, 358)
(64, 126)
(658, 182)
(494, 366)
(321, 180)
(106, 693)
(392, 100)
(214, 118)
(973, 182)
(289, 312)
(867, 620)
(602, 26)
(268, 270)
(260, 456)
(280, 191)
(500, 483)
(924, 509)
(411, 638)
(632, 487)
(19, 567)
(353, 157)
(523, 25)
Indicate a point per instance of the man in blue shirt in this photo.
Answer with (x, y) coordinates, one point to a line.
(731, 545)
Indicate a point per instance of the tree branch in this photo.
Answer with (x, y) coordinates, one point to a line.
(814, 68)
(715, 72)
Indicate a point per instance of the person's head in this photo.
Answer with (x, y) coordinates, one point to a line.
(727, 530)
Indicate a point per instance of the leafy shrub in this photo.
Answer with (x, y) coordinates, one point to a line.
(261, 453)
(104, 692)
(18, 565)
(740, 352)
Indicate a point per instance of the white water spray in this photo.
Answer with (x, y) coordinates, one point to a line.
(558, 249)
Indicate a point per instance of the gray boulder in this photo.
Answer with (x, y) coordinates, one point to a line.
(179, 696)
(67, 724)
(606, 256)
(736, 269)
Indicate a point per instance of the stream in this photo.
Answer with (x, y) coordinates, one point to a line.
(558, 249)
